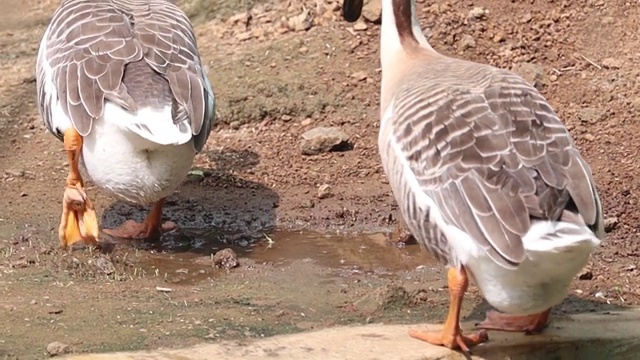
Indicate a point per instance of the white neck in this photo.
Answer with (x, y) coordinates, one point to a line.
(393, 55)
(389, 39)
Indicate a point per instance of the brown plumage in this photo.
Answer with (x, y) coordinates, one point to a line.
(130, 52)
(491, 153)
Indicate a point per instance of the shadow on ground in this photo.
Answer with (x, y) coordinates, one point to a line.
(213, 208)
(571, 305)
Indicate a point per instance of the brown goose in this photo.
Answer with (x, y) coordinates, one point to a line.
(121, 83)
(486, 177)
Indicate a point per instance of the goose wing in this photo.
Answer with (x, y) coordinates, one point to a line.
(88, 44)
(492, 158)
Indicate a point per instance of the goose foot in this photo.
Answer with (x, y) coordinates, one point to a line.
(78, 222)
(529, 324)
(451, 335)
(150, 229)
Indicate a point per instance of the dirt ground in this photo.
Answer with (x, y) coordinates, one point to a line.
(306, 261)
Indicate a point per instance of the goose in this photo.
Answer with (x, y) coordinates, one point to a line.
(486, 177)
(121, 84)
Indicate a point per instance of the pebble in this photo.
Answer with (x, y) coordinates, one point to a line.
(360, 75)
(478, 12)
(14, 172)
(532, 73)
(610, 223)
(324, 191)
(235, 125)
(611, 63)
(225, 259)
(466, 42)
(324, 139)
(372, 11)
(57, 348)
(105, 265)
(360, 26)
(590, 115)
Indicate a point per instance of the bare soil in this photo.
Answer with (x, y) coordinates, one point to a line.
(306, 260)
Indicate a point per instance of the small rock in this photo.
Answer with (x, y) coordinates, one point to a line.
(225, 259)
(610, 224)
(235, 125)
(307, 204)
(498, 38)
(306, 122)
(14, 172)
(301, 22)
(372, 11)
(360, 26)
(324, 139)
(478, 12)
(105, 265)
(324, 191)
(286, 118)
(589, 137)
(466, 42)
(532, 73)
(57, 348)
(611, 63)
(33, 302)
(244, 36)
(360, 75)
(590, 115)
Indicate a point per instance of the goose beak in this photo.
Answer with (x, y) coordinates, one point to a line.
(352, 9)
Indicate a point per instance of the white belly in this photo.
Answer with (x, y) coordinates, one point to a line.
(131, 167)
(553, 259)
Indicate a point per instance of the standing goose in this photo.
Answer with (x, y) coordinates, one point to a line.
(120, 82)
(486, 177)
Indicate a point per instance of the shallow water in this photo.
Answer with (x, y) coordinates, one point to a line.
(186, 257)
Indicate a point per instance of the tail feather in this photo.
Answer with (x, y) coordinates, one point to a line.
(155, 125)
(558, 236)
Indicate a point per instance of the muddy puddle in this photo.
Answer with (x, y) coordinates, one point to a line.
(187, 258)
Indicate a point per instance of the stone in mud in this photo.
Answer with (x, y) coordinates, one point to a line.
(533, 73)
(225, 259)
(324, 139)
(57, 348)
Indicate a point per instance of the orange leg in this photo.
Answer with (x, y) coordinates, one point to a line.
(78, 221)
(451, 335)
(151, 228)
(529, 324)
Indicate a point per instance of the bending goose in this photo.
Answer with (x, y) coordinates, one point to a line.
(486, 177)
(121, 83)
